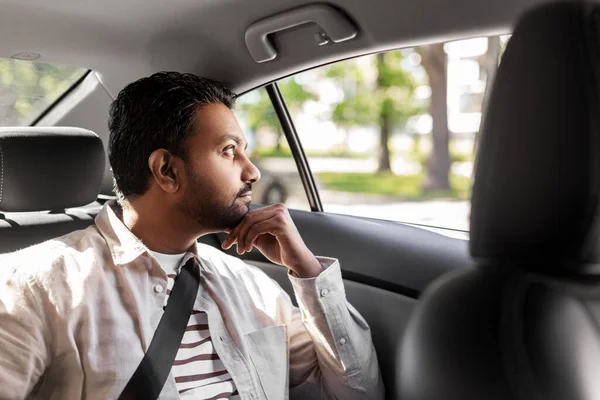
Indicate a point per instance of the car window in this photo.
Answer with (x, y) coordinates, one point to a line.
(392, 135)
(268, 149)
(28, 88)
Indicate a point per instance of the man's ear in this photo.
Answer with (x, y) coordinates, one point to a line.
(166, 170)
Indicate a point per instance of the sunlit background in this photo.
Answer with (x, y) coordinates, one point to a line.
(389, 136)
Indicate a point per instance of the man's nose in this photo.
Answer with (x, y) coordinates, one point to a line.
(251, 173)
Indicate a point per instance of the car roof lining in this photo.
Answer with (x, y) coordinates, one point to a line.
(123, 40)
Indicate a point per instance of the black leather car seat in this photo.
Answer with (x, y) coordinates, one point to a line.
(49, 182)
(524, 323)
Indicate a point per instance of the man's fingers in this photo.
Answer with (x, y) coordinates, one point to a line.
(233, 234)
(268, 226)
(245, 227)
(229, 240)
(251, 218)
(250, 235)
(277, 221)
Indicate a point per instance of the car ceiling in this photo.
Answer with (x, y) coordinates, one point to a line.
(125, 39)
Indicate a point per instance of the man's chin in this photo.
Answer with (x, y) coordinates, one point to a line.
(236, 217)
(245, 202)
(246, 208)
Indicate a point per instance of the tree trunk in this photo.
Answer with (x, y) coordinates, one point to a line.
(490, 63)
(384, 129)
(384, 137)
(278, 142)
(434, 61)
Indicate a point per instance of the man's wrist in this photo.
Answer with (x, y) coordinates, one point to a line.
(308, 269)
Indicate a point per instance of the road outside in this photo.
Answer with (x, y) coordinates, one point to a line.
(445, 213)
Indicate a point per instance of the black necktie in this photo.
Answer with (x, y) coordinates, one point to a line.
(150, 377)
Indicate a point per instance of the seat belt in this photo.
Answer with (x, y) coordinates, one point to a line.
(150, 376)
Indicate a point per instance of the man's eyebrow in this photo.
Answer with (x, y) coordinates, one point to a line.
(240, 141)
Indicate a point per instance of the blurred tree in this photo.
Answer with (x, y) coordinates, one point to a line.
(435, 60)
(28, 88)
(261, 113)
(356, 107)
(385, 100)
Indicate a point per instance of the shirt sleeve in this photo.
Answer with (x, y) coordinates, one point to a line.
(24, 352)
(330, 342)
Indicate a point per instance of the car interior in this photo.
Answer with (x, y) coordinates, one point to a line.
(503, 311)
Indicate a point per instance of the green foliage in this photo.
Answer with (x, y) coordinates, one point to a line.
(384, 183)
(405, 187)
(372, 87)
(295, 94)
(285, 152)
(272, 152)
(418, 156)
(368, 97)
(356, 111)
(261, 113)
(391, 73)
(28, 88)
(455, 156)
(460, 157)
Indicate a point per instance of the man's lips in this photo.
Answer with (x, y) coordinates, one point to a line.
(246, 194)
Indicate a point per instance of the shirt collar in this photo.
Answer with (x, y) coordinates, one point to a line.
(124, 246)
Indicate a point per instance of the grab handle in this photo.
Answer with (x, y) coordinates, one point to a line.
(334, 25)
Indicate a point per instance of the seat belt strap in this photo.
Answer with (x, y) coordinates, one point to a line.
(150, 376)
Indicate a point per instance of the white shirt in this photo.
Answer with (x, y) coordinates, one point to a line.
(198, 370)
(77, 314)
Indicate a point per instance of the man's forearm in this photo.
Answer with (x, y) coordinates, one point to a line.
(341, 337)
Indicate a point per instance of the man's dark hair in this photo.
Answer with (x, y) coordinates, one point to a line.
(156, 112)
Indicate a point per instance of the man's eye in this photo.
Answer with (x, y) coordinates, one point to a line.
(229, 150)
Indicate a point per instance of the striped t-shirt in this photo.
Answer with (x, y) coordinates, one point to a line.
(198, 371)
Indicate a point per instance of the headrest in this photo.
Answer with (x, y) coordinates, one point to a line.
(49, 168)
(536, 198)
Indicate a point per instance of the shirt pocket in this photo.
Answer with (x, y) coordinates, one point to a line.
(268, 351)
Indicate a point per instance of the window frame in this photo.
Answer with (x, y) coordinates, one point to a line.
(291, 135)
(60, 98)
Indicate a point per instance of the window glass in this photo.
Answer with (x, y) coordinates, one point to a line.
(392, 135)
(28, 88)
(268, 149)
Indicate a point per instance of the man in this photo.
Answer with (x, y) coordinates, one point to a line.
(78, 313)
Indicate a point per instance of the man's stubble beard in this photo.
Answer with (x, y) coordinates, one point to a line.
(201, 206)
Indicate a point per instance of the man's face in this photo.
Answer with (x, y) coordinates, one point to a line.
(218, 175)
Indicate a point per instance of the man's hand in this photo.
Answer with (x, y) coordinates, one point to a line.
(272, 231)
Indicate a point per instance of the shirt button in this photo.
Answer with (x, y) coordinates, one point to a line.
(343, 341)
(324, 292)
(158, 288)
